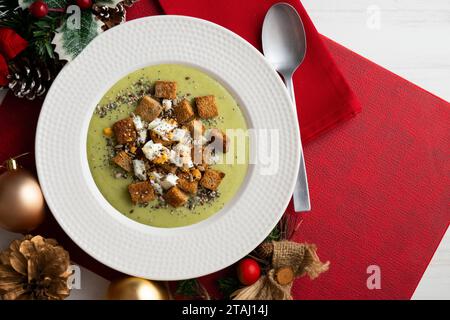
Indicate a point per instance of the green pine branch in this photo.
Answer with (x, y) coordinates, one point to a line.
(43, 31)
(192, 288)
(274, 235)
(227, 286)
(188, 288)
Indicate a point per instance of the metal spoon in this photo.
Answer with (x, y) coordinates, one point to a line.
(284, 45)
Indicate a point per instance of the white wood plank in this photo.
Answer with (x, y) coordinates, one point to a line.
(408, 37)
(435, 283)
(348, 5)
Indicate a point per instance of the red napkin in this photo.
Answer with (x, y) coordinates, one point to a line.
(380, 187)
(324, 98)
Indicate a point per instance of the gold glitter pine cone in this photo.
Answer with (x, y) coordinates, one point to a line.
(34, 268)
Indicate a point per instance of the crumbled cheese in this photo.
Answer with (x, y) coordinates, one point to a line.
(139, 169)
(169, 181)
(159, 190)
(167, 104)
(153, 150)
(175, 158)
(155, 176)
(140, 128)
(164, 128)
(200, 141)
(138, 123)
(188, 163)
(180, 155)
(142, 136)
(212, 159)
(182, 149)
(180, 135)
(155, 181)
(154, 123)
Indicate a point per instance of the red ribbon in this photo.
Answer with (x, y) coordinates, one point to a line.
(11, 44)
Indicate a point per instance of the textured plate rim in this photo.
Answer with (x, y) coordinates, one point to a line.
(42, 166)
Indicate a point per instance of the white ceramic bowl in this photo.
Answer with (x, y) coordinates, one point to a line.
(79, 207)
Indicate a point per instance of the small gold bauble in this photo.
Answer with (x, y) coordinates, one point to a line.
(133, 288)
(21, 199)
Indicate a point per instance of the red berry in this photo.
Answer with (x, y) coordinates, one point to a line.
(84, 4)
(38, 9)
(248, 271)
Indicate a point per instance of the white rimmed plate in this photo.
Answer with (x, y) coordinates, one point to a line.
(79, 207)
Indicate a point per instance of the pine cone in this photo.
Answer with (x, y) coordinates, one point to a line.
(110, 16)
(34, 268)
(30, 79)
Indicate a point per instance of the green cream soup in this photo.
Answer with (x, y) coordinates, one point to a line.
(120, 101)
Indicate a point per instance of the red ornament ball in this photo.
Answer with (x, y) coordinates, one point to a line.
(248, 271)
(84, 4)
(38, 9)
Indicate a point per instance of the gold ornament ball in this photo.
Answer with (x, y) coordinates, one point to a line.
(21, 201)
(136, 289)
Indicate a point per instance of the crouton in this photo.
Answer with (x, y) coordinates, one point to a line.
(206, 107)
(196, 128)
(124, 131)
(148, 109)
(183, 111)
(211, 179)
(187, 183)
(166, 89)
(218, 139)
(169, 168)
(141, 192)
(175, 197)
(123, 160)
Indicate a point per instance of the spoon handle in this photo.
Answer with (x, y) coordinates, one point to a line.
(301, 191)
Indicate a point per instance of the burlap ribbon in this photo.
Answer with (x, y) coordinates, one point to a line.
(300, 257)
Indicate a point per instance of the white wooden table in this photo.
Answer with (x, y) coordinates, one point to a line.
(410, 38)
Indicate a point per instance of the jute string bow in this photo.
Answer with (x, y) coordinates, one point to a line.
(289, 260)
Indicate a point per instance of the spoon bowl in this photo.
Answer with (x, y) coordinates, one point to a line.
(284, 38)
